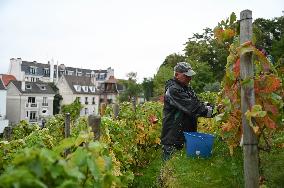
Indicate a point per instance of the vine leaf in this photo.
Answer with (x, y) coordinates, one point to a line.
(255, 112)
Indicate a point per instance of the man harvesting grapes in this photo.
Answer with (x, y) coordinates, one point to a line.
(181, 109)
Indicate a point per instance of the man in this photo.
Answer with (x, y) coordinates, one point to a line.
(181, 109)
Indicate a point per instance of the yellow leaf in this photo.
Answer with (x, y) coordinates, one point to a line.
(101, 163)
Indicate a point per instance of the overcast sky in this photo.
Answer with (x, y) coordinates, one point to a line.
(127, 35)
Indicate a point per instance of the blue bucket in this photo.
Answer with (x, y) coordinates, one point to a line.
(198, 144)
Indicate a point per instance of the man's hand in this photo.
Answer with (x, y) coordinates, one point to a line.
(209, 112)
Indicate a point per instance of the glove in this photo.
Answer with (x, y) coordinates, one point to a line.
(210, 111)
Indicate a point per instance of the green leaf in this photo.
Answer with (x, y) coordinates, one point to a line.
(257, 111)
(64, 144)
(93, 168)
(219, 117)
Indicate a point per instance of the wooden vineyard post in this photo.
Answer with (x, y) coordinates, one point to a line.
(250, 143)
(67, 131)
(67, 125)
(7, 133)
(95, 122)
(115, 109)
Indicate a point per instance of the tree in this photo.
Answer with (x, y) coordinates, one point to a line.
(204, 48)
(148, 87)
(132, 88)
(269, 34)
(165, 72)
(73, 108)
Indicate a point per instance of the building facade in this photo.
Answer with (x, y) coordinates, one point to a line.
(88, 91)
(30, 101)
(49, 72)
(3, 119)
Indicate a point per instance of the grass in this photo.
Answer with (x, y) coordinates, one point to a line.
(220, 170)
(147, 177)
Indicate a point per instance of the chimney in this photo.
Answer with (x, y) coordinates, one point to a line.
(23, 83)
(51, 70)
(57, 73)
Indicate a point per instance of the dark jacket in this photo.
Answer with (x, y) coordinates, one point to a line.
(181, 109)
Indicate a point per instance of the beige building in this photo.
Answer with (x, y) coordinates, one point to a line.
(89, 92)
(29, 101)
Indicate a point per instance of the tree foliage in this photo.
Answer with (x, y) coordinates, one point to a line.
(133, 89)
(166, 72)
(74, 109)
(148, 88)
(269, 34)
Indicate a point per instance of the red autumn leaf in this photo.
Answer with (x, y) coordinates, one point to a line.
(236, 68)
(267, 84)
(153, 119)
(269, 123)
(270, 108)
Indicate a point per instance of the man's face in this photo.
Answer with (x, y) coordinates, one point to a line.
(182, 78)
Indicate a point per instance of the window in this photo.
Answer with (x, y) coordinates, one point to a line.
(70, 72)
(28, 86)
(85, 88)
(32, 70)
(42, 87)
(32, 79)
(27, 114)
(109, 101)
(44, 101)
(93, 101)
(31, 100)
(102, 76)
(79, 73)
(86, 100)
(92, 74)
(32, 115)
(46, 71)
(77, 88)
(92, 88)
(86, 111)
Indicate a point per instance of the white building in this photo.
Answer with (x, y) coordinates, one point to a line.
(3, 94)
(29, 101)
(89, 92)
(49, 72)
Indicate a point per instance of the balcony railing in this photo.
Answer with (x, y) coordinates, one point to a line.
(33, 120)
(44, 104)
(31, 105)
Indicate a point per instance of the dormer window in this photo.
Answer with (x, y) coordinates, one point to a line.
(46, 71)
(28, 86)
(32, 70)
(77, 88)
(43, 87)
(85, 88)
(92, 88)
(70, 72)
